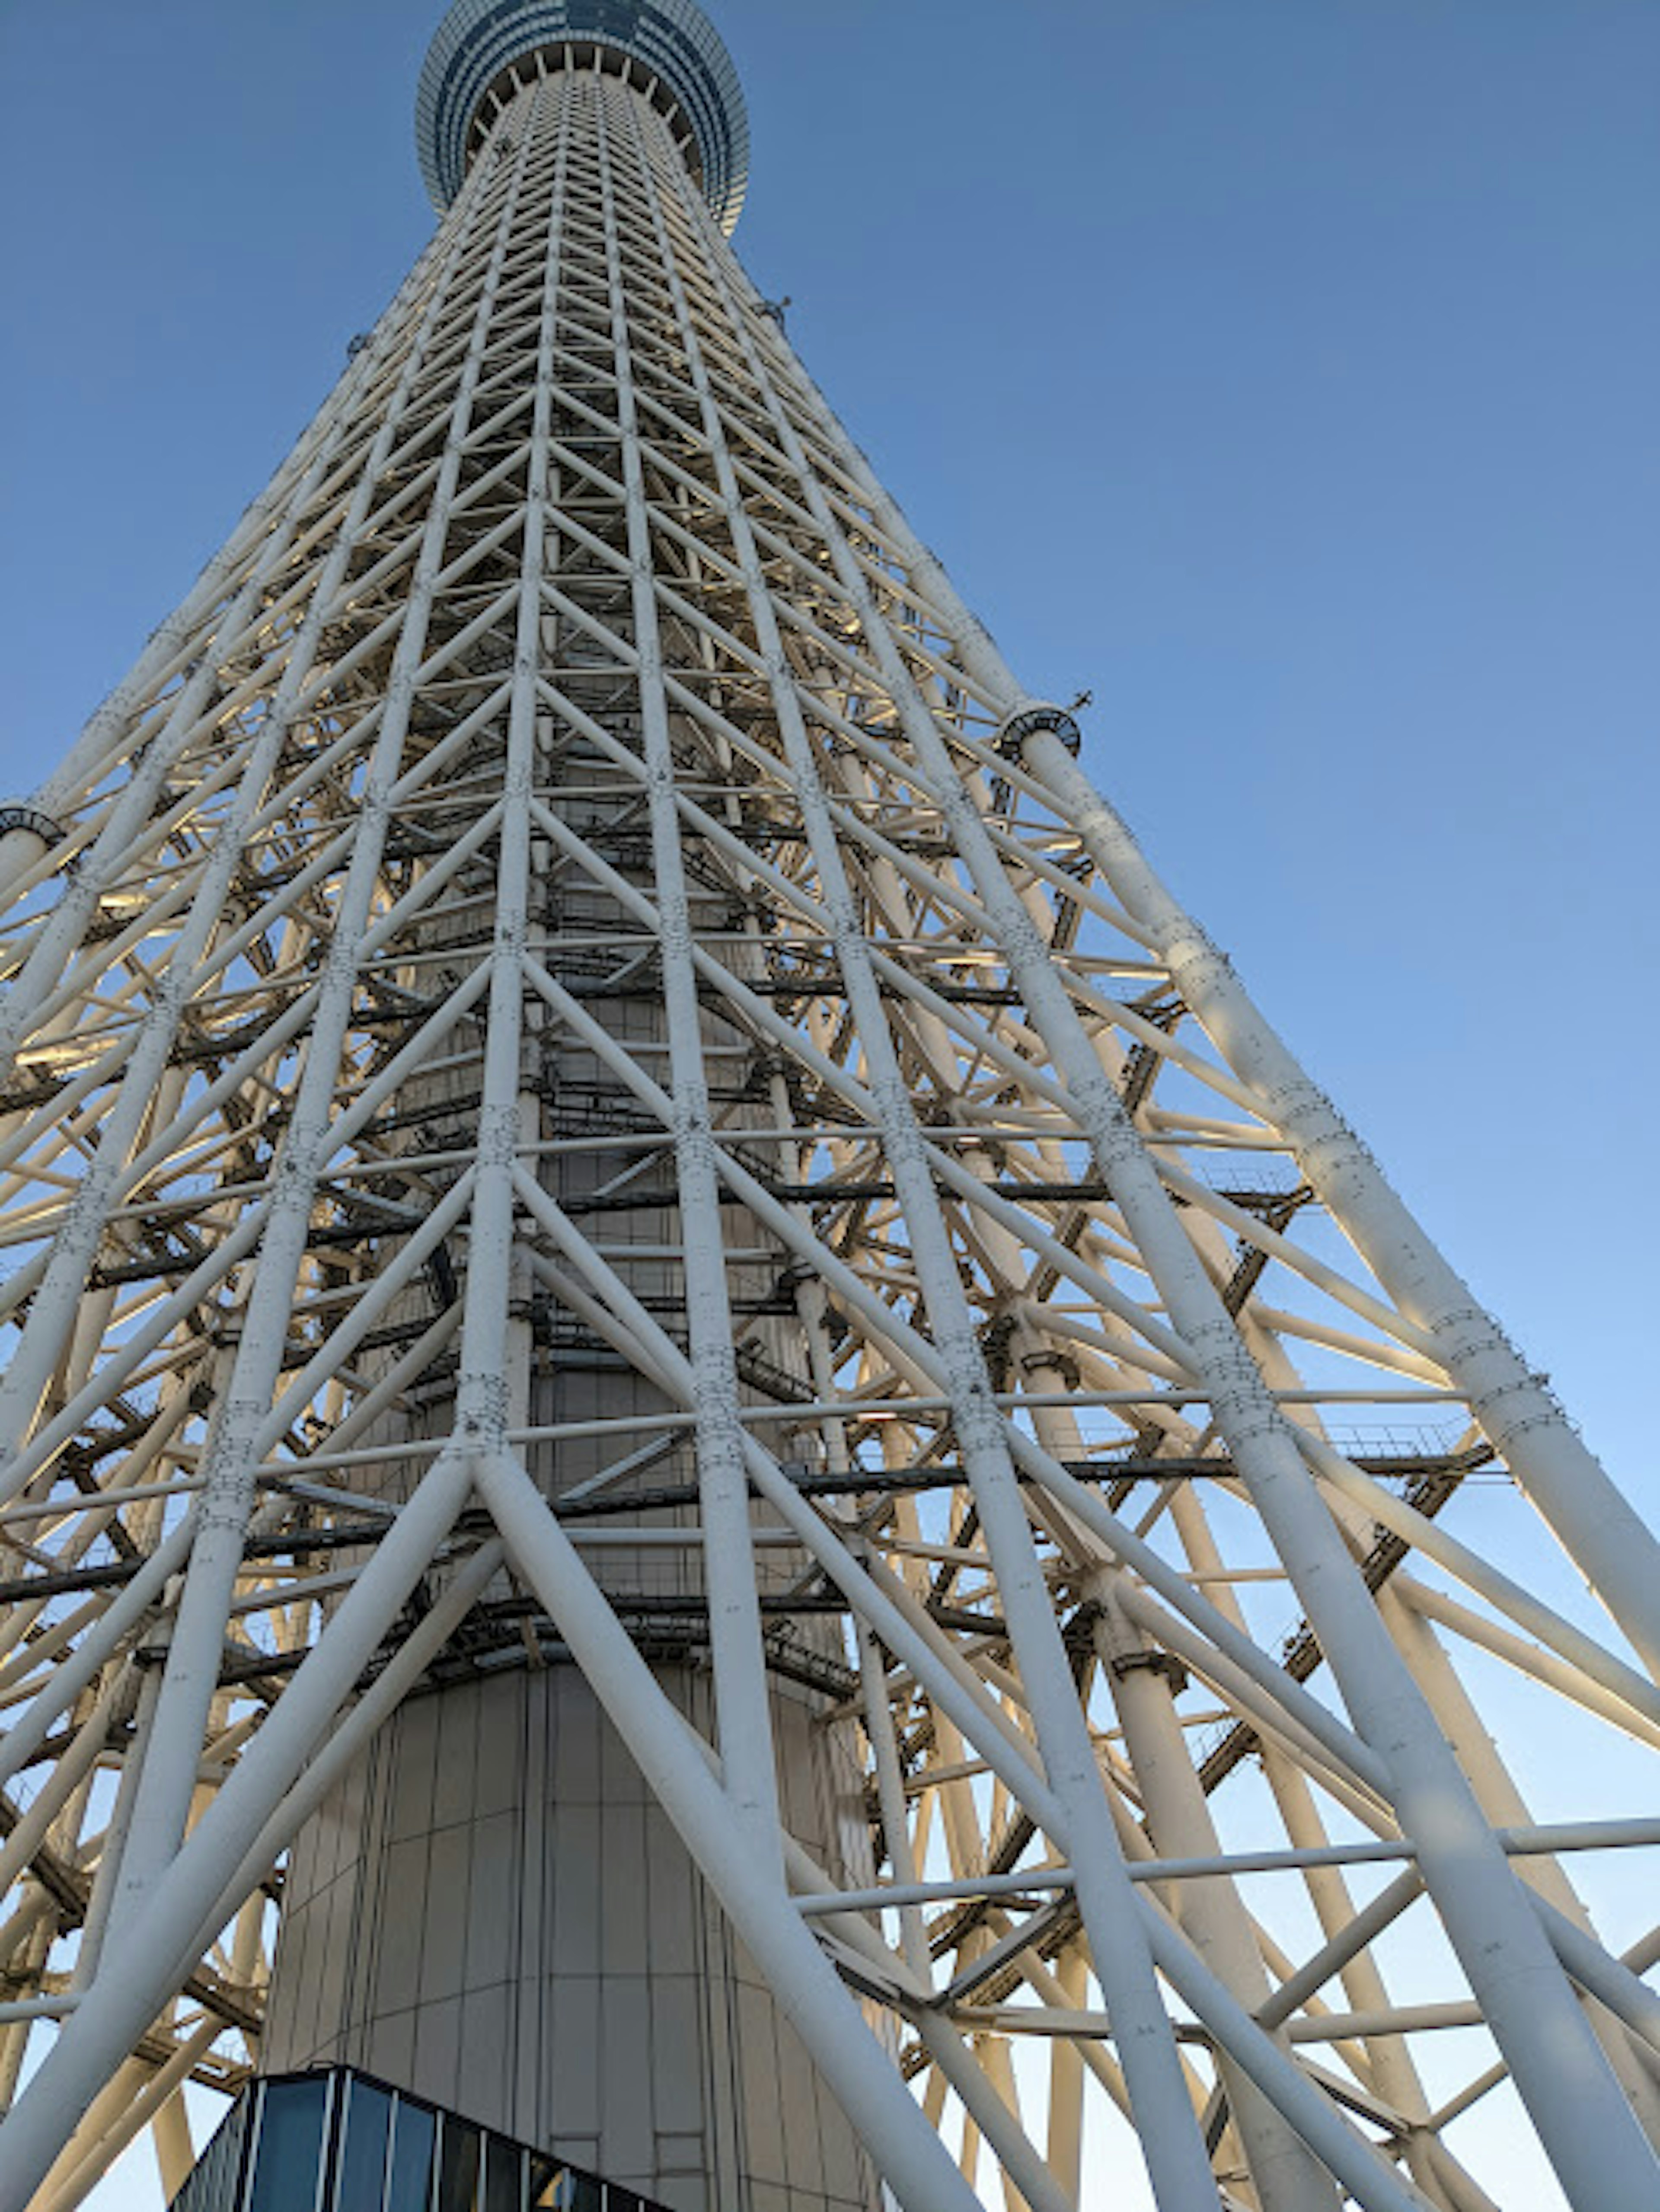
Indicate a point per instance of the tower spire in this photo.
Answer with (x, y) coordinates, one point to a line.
(720, 1490)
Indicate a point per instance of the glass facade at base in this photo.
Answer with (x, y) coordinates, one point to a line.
(338, 2141)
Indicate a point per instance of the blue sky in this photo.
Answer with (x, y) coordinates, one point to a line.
(1284, 372)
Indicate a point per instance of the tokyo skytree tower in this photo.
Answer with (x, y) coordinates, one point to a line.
(722, 1493)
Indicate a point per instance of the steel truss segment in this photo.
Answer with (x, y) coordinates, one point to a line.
(590, 1086)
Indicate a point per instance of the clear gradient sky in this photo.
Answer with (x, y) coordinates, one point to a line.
(1283, 371)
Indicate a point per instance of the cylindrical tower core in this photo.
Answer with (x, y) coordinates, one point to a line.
(491, 1913)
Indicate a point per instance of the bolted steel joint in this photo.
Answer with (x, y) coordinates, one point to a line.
(1026, 721)
(1152, 1663)
(15, 815)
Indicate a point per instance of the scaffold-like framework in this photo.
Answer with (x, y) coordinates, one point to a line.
(573, 893)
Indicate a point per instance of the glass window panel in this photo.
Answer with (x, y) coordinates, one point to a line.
(207, 2188)
(458, 2168)
(233, 2141)
(212, 2187)
(560, 2189)
(220, 2180)
(215, 2179)
(504, 2188)
(362, 2161)
(412, 2134)
(288, 2158)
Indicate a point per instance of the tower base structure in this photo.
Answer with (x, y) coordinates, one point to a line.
(335, 2140)
(493, 1911)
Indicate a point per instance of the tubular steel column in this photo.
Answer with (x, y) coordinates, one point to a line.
(691, 1390)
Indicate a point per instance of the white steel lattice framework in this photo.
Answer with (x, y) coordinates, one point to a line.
(574, 894)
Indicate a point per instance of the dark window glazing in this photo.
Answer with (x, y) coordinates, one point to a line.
(336, 2141)
(365, 2138)
(504, 2176)
(287, 2169)
(412, 2159)
(458, 2169)
(567, 2190)
(212, 2187)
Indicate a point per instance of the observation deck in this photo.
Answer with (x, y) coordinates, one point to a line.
(668, 48)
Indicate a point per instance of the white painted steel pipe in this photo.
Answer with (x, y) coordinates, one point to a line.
(915, 1354)
(1176, 2156)
(1209, 1908)
(1022, 2163)
(1598, 1525)
(193, 1656)
(1569, 1643)
(874, 1595)
(1305, 2107)
(1544, 1666)
(745, 1718)
(68, 1772)
(1571, 2094)
(16, 2009)
(914, 2161)
(65, 1683)
(156, 1947)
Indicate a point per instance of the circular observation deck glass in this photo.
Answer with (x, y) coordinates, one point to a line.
(669, 46)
